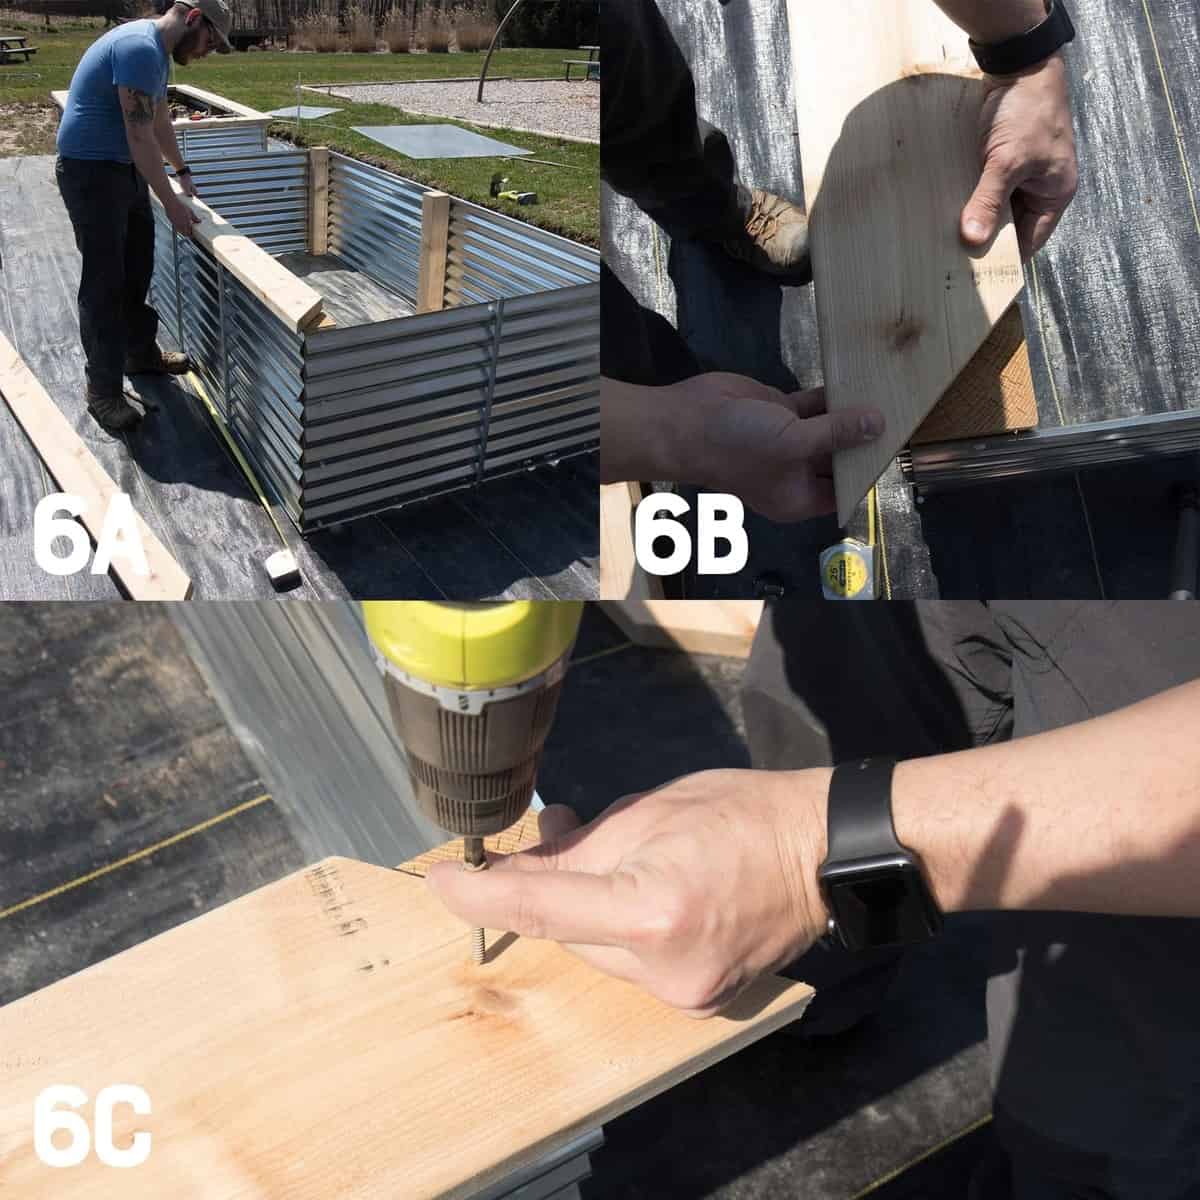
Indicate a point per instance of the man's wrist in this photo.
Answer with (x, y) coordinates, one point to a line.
(803, 843)
(938, 804)
(1024, 50)
(639, 431)
(996, 20)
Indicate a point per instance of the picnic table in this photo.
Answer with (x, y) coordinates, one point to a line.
(14, 45)
(590, 64)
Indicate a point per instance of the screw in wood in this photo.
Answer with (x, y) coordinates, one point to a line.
(474, 859)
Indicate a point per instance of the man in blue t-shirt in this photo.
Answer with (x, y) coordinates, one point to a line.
(115, 132)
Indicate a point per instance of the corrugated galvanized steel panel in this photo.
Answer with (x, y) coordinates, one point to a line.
(163, 292)
(392, 411)
(375, 223)
(546, 399)
(197, 145)
(266, 388)
(249, 362)
(264, 195)
(490, 255)
(941, 465)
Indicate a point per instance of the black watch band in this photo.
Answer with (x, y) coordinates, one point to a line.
(184, 170)
(873, 885)
(1026, 49)
(859, 819)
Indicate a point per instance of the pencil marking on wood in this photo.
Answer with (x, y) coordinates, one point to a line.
(326, 885)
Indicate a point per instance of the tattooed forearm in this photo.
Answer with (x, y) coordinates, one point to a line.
(137, 107)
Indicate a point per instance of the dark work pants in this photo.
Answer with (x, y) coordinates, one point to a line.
(109, 207)
(653, 148)
(678, 169)
(1093, 1021)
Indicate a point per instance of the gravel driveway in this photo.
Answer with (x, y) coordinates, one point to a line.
(547, 106)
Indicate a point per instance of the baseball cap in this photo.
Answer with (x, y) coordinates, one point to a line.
(217, 13)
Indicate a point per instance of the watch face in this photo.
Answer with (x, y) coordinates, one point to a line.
(881, 903)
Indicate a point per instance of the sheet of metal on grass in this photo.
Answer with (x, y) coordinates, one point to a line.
(375, 223)
(489, 255)
(303, 112)
(436, 141)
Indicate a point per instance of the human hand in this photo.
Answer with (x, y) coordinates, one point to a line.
(182, 218)
(1027, 150)
(772, 449)
(187, 184)
(690, 891)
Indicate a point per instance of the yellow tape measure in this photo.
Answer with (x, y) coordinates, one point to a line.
(848, 571)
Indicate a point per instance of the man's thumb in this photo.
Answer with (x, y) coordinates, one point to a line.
(988, 206)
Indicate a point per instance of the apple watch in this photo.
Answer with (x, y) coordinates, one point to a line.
(1026, 49)
(874, 888)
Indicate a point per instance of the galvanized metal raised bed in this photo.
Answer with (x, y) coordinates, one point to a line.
(501, 375)
(214, 125)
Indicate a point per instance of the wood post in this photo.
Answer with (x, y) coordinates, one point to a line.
(620, 576)
(318, 200)
(435, 234)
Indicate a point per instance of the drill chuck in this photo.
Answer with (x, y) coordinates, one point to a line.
(473, 689)
(473, 755)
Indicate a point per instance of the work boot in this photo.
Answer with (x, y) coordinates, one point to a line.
(159, 362)
(774, 239)
(112, 412)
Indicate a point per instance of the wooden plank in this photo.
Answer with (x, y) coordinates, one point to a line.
(620, 575)
(249, 116)
(77, 472)
(887, 102)
(697, 626)
(184, 124)
(318, 200)
(230, 106)
(435, 236)
(296, 304)
(329, 1035)
(994, 394)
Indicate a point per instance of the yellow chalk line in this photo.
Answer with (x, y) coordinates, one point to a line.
(1162, 74)
(41, 897)
(908, 1166)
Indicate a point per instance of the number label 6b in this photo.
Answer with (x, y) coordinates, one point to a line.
(718, 519)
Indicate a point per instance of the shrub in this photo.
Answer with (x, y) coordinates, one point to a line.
(474, 28)
(397, 29)
(435, 29)
(317, 31)
(362, 29)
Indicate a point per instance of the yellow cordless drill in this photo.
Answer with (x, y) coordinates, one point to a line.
(473, 689)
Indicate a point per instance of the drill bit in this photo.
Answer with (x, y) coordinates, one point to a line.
(474, 859)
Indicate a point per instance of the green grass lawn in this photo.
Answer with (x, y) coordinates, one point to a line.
(567, 182)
